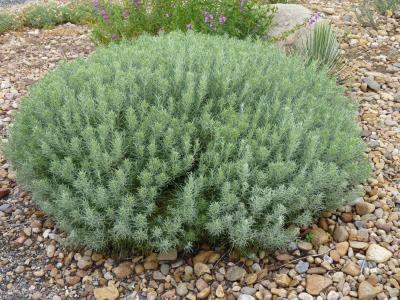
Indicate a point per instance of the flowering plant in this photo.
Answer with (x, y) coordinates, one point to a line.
(314, 19)
(127, 19)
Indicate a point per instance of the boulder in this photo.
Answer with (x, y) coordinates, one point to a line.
(289, 25)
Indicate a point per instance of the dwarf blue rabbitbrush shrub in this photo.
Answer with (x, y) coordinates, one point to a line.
(177, 139)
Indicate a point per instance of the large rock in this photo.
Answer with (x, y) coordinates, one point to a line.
(378, 254)
(106, 293)
(235, 273)
(366, 291)
(340, 234)
(317, 283)
(203, 257)
(359, 245)
(200, 269)
(320, 237)
(123, 270)
(283, 280)
(364, 208)
(182, 289)
(342, 248)
(204, 293)
(289, 25)
(84, 263)
(305, 296)
(351, 268)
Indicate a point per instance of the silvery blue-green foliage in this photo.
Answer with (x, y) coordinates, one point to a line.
(322, 48)
(177, 139)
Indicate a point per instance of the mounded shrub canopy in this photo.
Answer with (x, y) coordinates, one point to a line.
(177, 139)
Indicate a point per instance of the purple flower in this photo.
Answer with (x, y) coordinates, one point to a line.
(114, 36)
(136, 3)
(314, 18)
(209, 18)
(206, 17)
(96, 4)
(222, 19)
(105, 15)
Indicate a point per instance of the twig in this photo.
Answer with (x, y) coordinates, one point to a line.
(362, 266)
(219, 259)
(301, 258)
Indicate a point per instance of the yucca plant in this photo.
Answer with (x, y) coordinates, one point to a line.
(322, 48)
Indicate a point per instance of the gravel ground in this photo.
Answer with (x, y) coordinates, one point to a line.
(19, 4)
(354, 253)
(12, 2)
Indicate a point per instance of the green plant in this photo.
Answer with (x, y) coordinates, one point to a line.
(183, 138)
(309, 237)
(41, 16)
(80, 12)
(365, 14)
(7, 22)
(128, 19)
(322, 48)
(384, 6)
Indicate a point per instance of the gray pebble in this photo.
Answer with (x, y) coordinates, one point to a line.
(248, 290)
(302, 267)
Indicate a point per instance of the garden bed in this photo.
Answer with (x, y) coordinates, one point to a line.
(340, 251)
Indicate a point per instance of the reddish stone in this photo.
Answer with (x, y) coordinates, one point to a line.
(4, 192)
(72, 280)
(347, 217)
(168, 295)
(21, 239)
